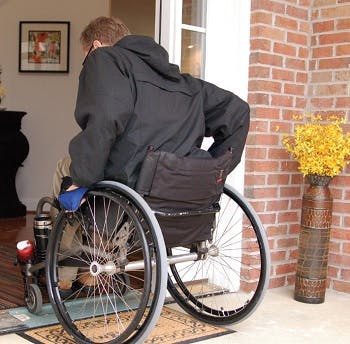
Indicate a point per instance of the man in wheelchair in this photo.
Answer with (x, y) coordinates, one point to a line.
(142, 124)
(143, 210)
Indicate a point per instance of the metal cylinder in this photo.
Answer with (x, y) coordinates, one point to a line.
(42, 227)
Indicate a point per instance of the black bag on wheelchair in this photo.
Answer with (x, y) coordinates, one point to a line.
(183, 192)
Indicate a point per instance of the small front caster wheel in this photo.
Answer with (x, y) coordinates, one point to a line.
(34, 300)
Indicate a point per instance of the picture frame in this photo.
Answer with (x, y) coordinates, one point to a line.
(44, 46)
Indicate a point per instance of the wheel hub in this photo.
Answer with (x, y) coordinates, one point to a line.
(213, 251)
(109, 268)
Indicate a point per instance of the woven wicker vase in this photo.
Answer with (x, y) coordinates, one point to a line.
(316, 219)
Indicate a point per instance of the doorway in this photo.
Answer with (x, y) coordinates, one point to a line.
(208, 38)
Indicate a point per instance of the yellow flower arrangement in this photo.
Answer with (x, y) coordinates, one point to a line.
(319, 145)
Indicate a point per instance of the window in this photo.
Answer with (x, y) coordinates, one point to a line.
(193, 32)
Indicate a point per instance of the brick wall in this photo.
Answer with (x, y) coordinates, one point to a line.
(329, 92)
(299, 62)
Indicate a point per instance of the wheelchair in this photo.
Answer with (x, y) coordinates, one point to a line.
(124, 268)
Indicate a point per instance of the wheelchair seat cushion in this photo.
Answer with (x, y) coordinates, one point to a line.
(183, 184)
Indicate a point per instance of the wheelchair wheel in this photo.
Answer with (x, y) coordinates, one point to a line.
(112, 250)
(228, 281)
(34, 300)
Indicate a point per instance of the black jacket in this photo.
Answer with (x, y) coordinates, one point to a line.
(130, 97)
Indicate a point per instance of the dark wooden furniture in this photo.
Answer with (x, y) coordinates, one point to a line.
(14, 148)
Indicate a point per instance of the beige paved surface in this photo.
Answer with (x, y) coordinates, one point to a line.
(280, 319)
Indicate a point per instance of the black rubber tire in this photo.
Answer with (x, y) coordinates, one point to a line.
(219, 302)
(34, 300)
(129, 320)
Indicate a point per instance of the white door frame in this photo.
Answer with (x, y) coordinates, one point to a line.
(227, 48)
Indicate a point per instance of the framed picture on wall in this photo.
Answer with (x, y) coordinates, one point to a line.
(44, 46)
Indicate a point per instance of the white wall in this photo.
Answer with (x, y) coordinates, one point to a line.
(228, 32)
(48, 99)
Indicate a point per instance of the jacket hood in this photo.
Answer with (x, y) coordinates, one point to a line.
(152, 54)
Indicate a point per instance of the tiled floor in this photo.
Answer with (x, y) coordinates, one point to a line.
(280, 319)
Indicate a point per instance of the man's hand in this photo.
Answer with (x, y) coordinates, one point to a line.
(72, 187)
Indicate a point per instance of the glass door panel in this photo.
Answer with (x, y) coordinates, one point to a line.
(193, 37)
(192, 53)
(194, 13)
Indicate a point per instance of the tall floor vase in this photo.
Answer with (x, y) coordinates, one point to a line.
(316, 219)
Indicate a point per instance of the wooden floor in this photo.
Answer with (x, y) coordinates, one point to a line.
(12, 230)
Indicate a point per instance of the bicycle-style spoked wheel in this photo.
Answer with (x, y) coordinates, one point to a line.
(104, 252)
(228, 282)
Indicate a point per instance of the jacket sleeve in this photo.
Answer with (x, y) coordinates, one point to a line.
(227, 120)
(103, 108)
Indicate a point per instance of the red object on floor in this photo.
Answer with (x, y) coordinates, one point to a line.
(25, 251)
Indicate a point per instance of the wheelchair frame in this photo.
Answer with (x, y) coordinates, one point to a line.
(134, 253)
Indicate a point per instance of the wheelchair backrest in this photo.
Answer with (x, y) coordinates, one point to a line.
(183, 185)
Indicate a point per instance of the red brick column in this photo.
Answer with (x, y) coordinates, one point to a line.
(278, 78)
(299, 62)
(329, 92)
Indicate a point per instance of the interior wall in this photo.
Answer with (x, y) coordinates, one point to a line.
(137, 15)
(48, 98)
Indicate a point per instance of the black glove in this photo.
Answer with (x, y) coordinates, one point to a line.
(66, 183)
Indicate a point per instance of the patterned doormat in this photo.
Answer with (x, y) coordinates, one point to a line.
(173, 327)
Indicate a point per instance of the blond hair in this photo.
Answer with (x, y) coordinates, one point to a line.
(107, 30)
